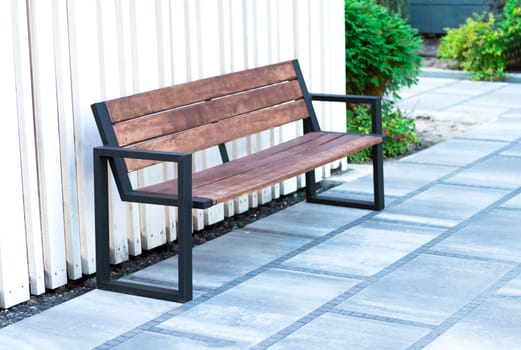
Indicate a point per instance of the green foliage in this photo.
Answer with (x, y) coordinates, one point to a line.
(381, 49)
(485, 44)
(478, 46)
(400, 131)
(381, 57)
(511, 25)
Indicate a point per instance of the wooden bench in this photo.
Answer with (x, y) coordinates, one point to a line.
(169, 124)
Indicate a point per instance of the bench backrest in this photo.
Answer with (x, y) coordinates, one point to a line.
(197, 115)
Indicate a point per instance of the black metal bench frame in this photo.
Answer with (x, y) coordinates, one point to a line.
(112, 154)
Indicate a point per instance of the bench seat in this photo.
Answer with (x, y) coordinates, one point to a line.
(268, 167)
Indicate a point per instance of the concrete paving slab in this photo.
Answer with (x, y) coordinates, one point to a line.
(428, 289)
(83, 322)
(432, 102)
(468, 112)
(511, 289)
(224, 259)
(472, 88)
(259, 307)
(352, 192)
(500, 171)
(172, 341)
(504, 129)
(444, 205)
(508, 96)
(514, 151)
(514, 113)
(401, 178)
(425, 85)
(456, 152)
(308, 219)
(495, 235)
(496, 324)
(332, 331)
(514, 203)
(365, 249)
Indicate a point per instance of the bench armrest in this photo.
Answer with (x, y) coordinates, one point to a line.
(375, 102)
(102, 154)
(119, 152)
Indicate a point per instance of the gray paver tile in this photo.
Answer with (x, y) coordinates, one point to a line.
(455, 152)
(514, 203)
(507, 96)
(260, 307)
(365, 249)
(445, 205)
(471, 88)
(308, 219)
(83, 322)
(400, 178)
(432, 102)
(469, 113)
(504, 129)
(496, 324)
(511, 289)
(224, 259)
(497, 171)
(428, 289)
(512, 113)
(331, 331)
(514, 151)
(495, 235)
(153, 341)
(425, 84)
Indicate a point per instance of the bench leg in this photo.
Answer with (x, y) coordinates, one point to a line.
(378, 202)
(103, 281)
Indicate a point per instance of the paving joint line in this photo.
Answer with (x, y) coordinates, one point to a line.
(321, 272)
(470, 257)
(386, 319)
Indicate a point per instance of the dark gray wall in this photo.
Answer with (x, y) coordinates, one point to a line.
(433, 16)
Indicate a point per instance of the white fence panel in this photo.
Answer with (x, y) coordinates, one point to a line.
(14, 278)
(44, 36)
(22, 70)
(113, 84)
(64, 56)
(86, 89)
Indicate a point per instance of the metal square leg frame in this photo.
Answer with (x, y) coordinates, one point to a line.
(185, 291)
(378, 202)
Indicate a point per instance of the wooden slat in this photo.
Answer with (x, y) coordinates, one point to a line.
(172, 121)
(223, 131)
(271, 166)
(201, 90)
(246, 163)
(271, 172)
(252, 162)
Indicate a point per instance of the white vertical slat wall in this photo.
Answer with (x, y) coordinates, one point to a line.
(60, 56)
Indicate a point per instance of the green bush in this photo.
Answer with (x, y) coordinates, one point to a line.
(381, 57)
(478, 46)
(381, 49)
(485, 44)
(511, 25)
(400, 131)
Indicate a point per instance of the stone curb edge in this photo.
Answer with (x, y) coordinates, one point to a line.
(457, 74)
